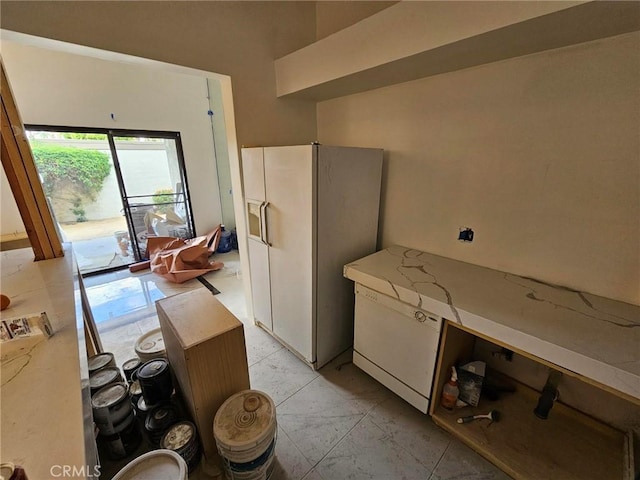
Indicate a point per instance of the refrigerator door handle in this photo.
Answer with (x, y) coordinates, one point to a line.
(264, 232)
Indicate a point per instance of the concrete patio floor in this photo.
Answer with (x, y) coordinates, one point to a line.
(95, 245)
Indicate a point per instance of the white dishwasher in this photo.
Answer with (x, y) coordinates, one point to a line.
(397, 344)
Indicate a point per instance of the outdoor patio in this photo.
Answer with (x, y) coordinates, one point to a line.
(95, 244)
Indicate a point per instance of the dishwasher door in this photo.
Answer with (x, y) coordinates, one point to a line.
(398, 338)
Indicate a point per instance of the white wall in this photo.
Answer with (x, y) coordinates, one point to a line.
(56, 88)
(238, 39)
(540, 155)
(10, 220)
(216, 103)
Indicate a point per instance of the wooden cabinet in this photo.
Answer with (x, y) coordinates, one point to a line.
(568, 444)
(206, 349)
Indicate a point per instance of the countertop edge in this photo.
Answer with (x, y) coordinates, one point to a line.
(607, 375)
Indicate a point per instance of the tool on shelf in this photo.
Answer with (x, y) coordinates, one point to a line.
(493, 415)
(549, 395)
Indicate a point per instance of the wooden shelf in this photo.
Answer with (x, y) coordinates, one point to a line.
(567, 445)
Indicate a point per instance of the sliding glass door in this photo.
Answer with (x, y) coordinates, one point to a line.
(111, 189)
(153, 187)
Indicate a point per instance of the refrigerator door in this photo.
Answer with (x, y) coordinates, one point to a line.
(253, 177)
(291, 215)
(348, 183)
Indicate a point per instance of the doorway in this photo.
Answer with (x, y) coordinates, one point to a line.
(111, 189)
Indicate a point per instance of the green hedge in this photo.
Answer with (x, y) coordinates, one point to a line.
(164, 196)
(87, 169)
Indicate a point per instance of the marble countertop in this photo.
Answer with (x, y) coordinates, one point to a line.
(43, 414)
(593, 336)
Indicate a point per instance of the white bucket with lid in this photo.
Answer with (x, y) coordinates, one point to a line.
(245, 431)
(155, 465)
(150, 345)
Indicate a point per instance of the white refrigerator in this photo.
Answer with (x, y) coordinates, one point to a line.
(310, 210)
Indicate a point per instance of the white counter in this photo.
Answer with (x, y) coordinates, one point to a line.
(42, 410)
(593, 336)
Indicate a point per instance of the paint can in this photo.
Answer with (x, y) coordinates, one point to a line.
(103, 377)
(155, 381)
(129, 367)
(158, 421)
(164, 464)
(111, 406)
(135, 392)
(142, 410)
(100, 361)
(183, 439)
(124, 440)
(150, 346)
(245, 430)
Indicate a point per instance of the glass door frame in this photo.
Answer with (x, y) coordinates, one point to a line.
(110, 134)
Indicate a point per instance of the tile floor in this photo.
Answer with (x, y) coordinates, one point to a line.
(336, 423)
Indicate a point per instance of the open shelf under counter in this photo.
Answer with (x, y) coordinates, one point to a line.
(567, 445)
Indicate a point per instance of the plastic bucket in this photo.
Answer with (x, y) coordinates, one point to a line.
(155, 465)
(224, 245)
(259, 469)
(150, 345)
(245, 430)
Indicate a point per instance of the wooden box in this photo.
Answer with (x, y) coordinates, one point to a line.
(206, 349)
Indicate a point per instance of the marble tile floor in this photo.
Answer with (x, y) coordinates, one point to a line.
(335, 423)
(123, 303)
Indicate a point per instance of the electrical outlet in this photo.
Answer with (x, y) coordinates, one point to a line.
(465, 234)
